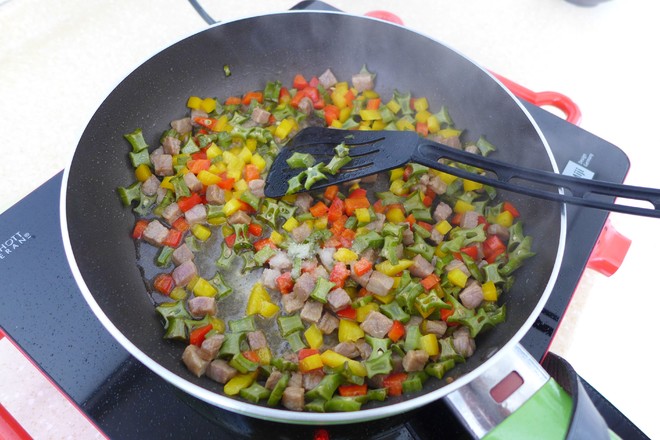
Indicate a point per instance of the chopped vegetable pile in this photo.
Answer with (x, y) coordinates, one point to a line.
(318, 301)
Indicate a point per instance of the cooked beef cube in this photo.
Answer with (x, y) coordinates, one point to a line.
(300, 233)
(171, 145)
(320, 272)
(192, 182)
(326, 256)
(211, 346)
(364, 348)
(220, 371)
(421, 267)
(257, 340)
(294, 398)
(436, 327)
(469, 220)
(376, 324)
(150, 186)
(463, 343)
(182, 126)
(155, 233)
(327, 79)
(260, 116)
(452, 141)
(363, 81)
(157, 152)
(348, 349)
(280, 261)
(328, 323)
(457, 264)
(472, 149)
(304, 286)
(408, 237)
(196, 214)
(182, 254)
(194, 113)
(309, 265)
(160, 194)
(472, 295)
(194, 361)
(377, 381)
(269, 278)
(257, 187)
(296, 378)
(200, 306)
(414, 360)
(303, 202)
(239, 217)
(437, 185)
(311, 311)
(500, 231)
(414, 320)
(379, 283)
(273, 378)
(172, 212)
(363, 279)
(292, 303)
(311, 379)
(338, 299)
(442, 212)
(306, 105)
(184, 273)
(436, 237)
(215, 195)
(163, 165)
(377, 225)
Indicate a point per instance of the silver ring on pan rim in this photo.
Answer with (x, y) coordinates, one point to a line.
(310, 418)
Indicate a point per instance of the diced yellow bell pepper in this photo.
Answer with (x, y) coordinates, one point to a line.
(489, 290)
(390, 269)
(204, 288)
(396, 174)
(165, 183)
(378, 125)
(217, 168)
(370, 115)
(462, 207)
(390, 296)
(470, 185)
(321, 223)
(420, 104)
(404, 124)
(221, 124)
(238, 382)
(142, 172)
(336, 124)
(457, 277)
(194, 102)
(398, 187)
(504, 218)
(443, 227)
(310, 363)
(290, 199)
(349, 331)
(345, 255)
(284, 128)
(422, 116)
(276, 237)
(258, 161)
(241, 185)
(370, 94)
(290, 224)
(218, 324)
(395, 215)
(178, 293)
(213, 151)
(208, 178)
(258, 294)
(268, 309)
(231, 207)
(201, 232)
(208, 105)
(313, 336)
(245, 154)
(265, 356)
(429, 343)
(449, 132)
(433, 124)
(251, 144)
(333, 359)
(439, 252)
(192, 282)
(393, 106)
(446, 177)
(344, 114)
(362, 215)
(362, 312)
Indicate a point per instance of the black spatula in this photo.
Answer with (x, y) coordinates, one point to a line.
(373, 152)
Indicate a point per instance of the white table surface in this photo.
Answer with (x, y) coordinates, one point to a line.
(60, 59)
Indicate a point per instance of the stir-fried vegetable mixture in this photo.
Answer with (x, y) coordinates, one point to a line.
(323, 301)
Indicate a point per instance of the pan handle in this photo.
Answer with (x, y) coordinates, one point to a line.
(517, 398)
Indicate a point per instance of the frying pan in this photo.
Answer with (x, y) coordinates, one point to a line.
(96, 227)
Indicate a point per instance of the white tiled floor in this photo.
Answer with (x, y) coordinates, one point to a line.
(59, 59)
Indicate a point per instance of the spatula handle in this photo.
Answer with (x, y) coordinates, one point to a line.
(428, 153)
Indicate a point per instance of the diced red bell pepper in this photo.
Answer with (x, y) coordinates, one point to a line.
(206, 122)
(351, 390)
(260, 244)
(173, 238)
(313, 82)
(319, 210)
(358, 193)
(351, 204)
(422, 128)
(249, 96)
(164, 283)
(378, 207)
(445, 314)
(425, 225)
(331, 113)
(181, 224)
(233, 100)
(471, 251)
(347, 313)
(187, 203)
(493, 246)
(331, 192)
(508, 206)
(199, 155)
(285, 283)
(394, 383)
(255, 229)
(407, 172)
(306, 352)
(336, 209)
(198, 334)
(299, 82)
(197, 165)
(226, 183)
(430, 281)
(397, 331)
(139, 228)
(339, 274)
(373, 104)
(251, 172)
(362, 266)
(230, 240)
(251, 355)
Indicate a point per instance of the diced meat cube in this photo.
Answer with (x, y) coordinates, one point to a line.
(200, 306)
(469, 220)
(327, 79)
(293, 398)
(211, 346)
(363, 81)
(150, 186)
(160, 194)
(304, 286)
(348, 349)
(328, 323)
(280, 261)
(257, 187)
(376, 324)
(306, 105)
(172, 212)
(260, 116)
(215, 195)
(192, 182)
(326, 256)
(195, 113)
(472, 149)
(300, 233)
(311, 311)
(269, 278)
(273, 378)
(500, 231)
(157, 152)
(457, 264)
(171, 145)
(436, 327)
(320, 272)
(364, 348)
(296, 378)
(463, 343)
(257, 340)
(421, 267)
(184, 273)
(437, 185)
(303, 202)
(194, 361)
(472, 295)
(311, 379)
(442, 212)
(377, 225)
(379, 283)
(239, 217)
(363, 279)
(163, 165)
(338, 299)
(414, 360)
(220, 371)
(408, 237)
(196, 214)
(155, 233)
(182, 126)
(182, 254)
(436, 237)
(292, 303)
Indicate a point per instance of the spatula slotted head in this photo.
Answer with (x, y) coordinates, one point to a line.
(370, 152)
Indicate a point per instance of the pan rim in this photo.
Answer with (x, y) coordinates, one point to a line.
(309, 418)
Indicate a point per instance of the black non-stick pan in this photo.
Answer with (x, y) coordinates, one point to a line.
(97, 227)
